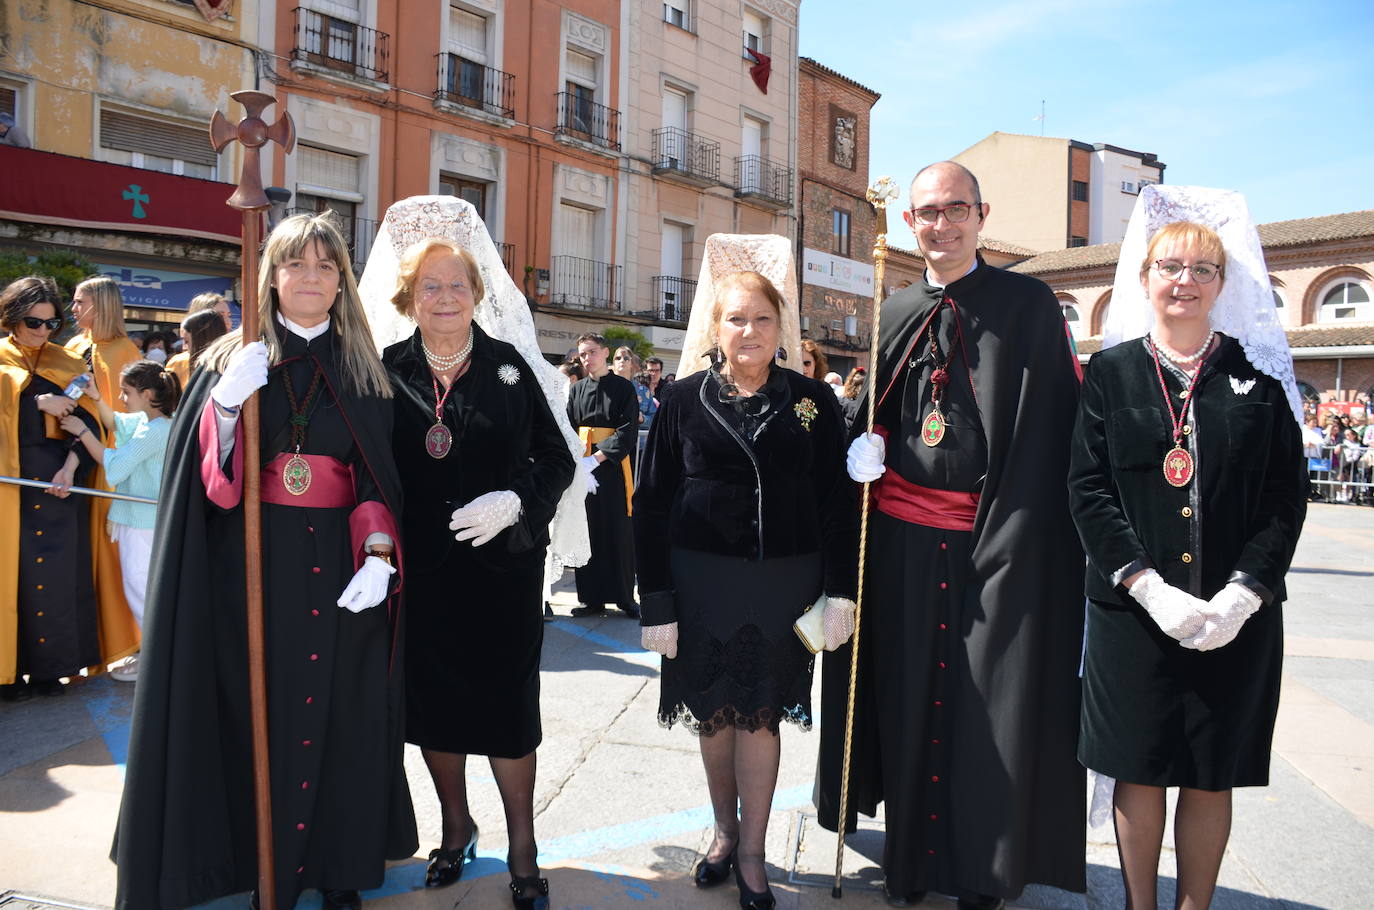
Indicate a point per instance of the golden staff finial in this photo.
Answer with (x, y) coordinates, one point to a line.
(883, 191)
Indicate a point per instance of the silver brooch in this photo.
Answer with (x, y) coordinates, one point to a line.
(508, 374)
(1242, 388)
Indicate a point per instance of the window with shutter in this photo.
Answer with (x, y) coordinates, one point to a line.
(755, 30)
(9, 101)
(328, 170)
(675, 12)
(158, 145)
(581, 68)
(467, 35)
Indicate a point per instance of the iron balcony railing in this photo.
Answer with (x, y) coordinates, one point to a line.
(461, 81)
(586, 120)
(358, 233)
(340, 45)
(585, 284)
(507, 253)
(673, 298)
(679, 152)
(757, 177)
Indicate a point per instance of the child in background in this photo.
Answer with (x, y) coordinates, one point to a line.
(133, 466)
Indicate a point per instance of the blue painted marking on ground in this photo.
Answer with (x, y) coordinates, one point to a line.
(631, 653)
(111, 711)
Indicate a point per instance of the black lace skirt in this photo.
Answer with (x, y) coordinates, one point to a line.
(738, 662)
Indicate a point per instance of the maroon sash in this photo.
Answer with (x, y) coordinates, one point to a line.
(331, 484)
(909, 502)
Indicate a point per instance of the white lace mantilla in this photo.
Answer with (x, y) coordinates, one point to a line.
(502, 313)
(768, 254)
(1244, 308)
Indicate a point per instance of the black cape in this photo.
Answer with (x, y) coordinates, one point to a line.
(611, 401)
(1013, 586)
(340, 803)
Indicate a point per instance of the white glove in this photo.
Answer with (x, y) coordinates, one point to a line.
(485, 517)
(660, 639)
(1227, 611)
(838, 620)
(865, 459)
(245, 373)
(588, 464)
(368, 587)
(1178, 613)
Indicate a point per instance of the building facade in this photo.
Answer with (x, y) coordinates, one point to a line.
(1048, 193)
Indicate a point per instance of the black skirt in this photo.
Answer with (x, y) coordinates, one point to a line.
(1159, 714)
(739, 662)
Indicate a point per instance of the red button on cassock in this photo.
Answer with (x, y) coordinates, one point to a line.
(314, 657)
(933, 816)
(930, 852)
(944, 585)
(314, 612)
(300, 826)
(310, 699)
(305, 742)
(300, 869)
(935, 742)
(942, 665)
(943, 545)
(939, 704)
(943, 627)
(315, 569)
(935, 778)
(305, 785)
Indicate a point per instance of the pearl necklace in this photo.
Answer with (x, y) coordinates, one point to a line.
(1176, 357)
(448, 361)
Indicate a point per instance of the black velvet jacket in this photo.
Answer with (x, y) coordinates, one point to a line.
(703, 487)
(1238, 520)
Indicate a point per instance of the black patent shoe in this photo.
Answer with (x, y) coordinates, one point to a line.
(342, 899)
(589, 610)
(49, 687)
(982, 902)
(446, 866)
(708, 874)
(519, 884)
(630, 609)
(908, 900)
(753, 900)
(16, 691)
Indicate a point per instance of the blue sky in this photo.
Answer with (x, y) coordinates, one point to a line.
(1273, 99)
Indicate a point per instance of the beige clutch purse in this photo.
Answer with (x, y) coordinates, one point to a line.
(810, 626)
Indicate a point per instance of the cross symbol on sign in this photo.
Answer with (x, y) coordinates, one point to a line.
(136, 194)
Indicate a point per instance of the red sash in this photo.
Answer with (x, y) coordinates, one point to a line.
(331, 484)
(909, 502)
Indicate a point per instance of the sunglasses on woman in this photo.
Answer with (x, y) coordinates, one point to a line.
(35, 323)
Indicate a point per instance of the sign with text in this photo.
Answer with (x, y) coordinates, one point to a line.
(837, 273)
(161, 289)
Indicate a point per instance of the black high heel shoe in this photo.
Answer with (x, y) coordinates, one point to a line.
(518, 884)
(753, 900)
(446, 866)
(708, 874)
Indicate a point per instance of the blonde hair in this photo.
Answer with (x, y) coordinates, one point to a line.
(103, 295)
(1186, 233)
(361, 368)
(206, 301)
(409, 268)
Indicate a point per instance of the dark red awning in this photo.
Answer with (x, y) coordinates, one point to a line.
(48, 188)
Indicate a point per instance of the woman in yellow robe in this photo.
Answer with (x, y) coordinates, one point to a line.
(62, 609)
(103, 343)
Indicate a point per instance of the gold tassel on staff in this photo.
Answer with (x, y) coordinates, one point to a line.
(879, 195)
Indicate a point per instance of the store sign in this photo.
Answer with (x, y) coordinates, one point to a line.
(837, 273)
(161, 289)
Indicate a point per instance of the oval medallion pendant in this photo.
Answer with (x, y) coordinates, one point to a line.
(933, 430)
(1178, 467)
(438, 441)
(295, 475)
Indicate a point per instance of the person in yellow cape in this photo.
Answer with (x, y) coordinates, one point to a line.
(103, 342)
(62, 609)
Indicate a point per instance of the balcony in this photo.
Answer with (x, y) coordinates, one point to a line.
(673, 298)
(472, 85)
(339, 46)
(507, 253)
(585, 284)
(686, 156)
(763, 182)
(587, 121)
(358, 233)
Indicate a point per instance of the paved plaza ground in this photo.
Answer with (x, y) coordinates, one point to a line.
(622, 809)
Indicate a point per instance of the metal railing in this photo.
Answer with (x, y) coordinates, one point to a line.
(762, 179)
(340, 45)
(358, 233)
(673, 297)
(585, 284)
(1341, 473)
(677, 151)
(507, 253)
(474, 85)
(588, 121)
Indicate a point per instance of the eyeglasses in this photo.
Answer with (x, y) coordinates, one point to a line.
(1202, 272)
(35, 323)
(954, 214)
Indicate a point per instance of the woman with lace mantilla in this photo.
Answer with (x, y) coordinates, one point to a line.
(1189, 489)
(745, 471)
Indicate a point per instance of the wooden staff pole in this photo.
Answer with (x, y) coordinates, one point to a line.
(249, 198)
(879, 194)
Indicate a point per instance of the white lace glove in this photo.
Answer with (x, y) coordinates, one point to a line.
(1227, 611)
(587, 464)
(838, 620)
(368, 587)
(660, 639)
(865, 459)
(485, 517)
(1178, 613)
(245, 373)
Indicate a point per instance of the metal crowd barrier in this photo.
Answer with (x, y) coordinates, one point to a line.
(1338, 473)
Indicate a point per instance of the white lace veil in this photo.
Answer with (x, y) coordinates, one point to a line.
(767, 254)
(502, 313)
(1244, 308)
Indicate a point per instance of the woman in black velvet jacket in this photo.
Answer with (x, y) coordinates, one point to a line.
(1189, 491)
(744, 477)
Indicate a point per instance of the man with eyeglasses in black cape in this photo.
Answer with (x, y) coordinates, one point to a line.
(967, 701)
